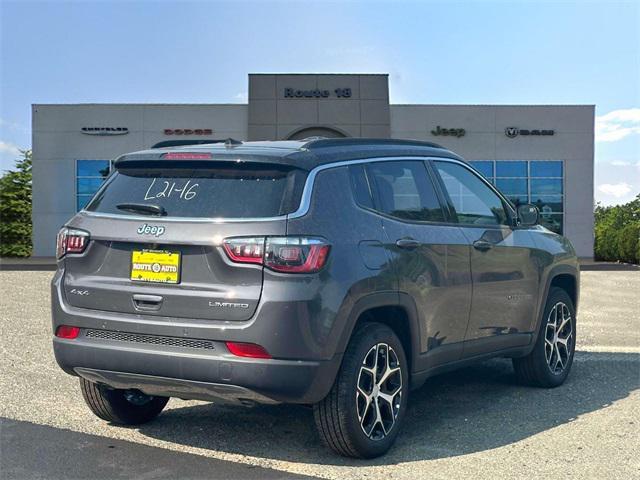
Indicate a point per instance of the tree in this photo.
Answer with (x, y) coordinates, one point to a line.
(15, 209)
(617, 232)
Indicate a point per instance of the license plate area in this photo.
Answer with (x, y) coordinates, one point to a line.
(155, 266)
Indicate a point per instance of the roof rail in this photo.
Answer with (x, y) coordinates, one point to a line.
(316, 143)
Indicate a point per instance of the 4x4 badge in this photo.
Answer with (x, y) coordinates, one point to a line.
(145, 229)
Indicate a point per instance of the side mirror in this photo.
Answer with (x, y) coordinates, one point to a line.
(528, 215)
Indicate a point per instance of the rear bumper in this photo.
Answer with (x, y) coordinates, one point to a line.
(167, 356)
(174, 387)
(212, 375)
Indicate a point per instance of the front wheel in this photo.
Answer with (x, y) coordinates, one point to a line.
(362, 414)
(550, 361)
(125, 407)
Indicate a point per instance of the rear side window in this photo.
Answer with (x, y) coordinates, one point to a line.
(222, 190)
(404, 190)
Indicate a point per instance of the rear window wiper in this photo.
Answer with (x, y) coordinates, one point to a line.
(143, 208)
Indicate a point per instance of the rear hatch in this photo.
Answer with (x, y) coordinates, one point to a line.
(156, 230)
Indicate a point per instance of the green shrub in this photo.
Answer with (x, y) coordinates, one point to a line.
(617, 232)
(15, 209)
(628, 243)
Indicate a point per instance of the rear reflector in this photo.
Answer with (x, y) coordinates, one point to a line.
(65, 331)
(249, 350)
(187, 156)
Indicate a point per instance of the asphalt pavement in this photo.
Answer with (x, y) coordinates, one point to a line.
(475, 422)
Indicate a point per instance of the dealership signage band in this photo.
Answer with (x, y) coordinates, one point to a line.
(452, 132)
(513, 132)
(104, 131)
(317, 93)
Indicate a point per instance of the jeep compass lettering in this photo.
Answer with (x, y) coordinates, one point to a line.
(338, 273)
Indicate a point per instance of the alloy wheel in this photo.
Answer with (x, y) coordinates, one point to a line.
(379, 391)
(558, 341)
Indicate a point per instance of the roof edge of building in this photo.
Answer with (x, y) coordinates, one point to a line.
(120, 104)
(492, 105)
(229, 104)
(324, 73)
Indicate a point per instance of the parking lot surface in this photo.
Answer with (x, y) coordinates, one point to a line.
(475, 422)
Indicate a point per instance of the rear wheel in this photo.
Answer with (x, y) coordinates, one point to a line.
(550, 361)
(362, 414)
(125, 407)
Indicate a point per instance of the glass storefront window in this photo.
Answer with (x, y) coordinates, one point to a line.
(546, 186)
(90, 174)
(548, 203)
(512, 186)
(92, 168)
(485, 168)
(518, 199)
(511, 169)
(546, 169)
(539, 182)
(85, 185)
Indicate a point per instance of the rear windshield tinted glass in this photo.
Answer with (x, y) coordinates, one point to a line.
(221, 190)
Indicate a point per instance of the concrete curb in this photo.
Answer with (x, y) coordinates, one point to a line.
(28, 264)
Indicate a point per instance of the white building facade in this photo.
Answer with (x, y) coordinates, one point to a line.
(538, 154)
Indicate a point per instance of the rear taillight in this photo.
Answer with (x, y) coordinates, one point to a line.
(65, 331)
(281, 254)
(71, 240)
(244, 250)
(295, 254)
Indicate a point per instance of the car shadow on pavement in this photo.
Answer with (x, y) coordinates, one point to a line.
(470, 410)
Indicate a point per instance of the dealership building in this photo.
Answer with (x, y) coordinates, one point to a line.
(542, 154)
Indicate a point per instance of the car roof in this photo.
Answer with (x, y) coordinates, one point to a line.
(305, 154)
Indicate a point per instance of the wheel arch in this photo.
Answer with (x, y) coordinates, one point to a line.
(397, 311)
(568, 283)
(563, 276)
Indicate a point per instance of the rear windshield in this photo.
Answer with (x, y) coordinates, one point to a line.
(221, 190)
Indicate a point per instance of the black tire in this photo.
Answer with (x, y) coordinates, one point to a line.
(535, 369)
(336, 416)
(112, 404)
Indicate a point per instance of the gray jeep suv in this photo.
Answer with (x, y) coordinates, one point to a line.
(338, 273)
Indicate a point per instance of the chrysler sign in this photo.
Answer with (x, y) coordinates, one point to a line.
(104, 131)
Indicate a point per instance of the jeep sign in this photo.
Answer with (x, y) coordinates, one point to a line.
(452, 132)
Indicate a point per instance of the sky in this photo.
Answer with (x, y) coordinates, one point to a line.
(506, 52)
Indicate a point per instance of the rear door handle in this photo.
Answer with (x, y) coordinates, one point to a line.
(147, 302)
(407, 243)
(482, 245)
